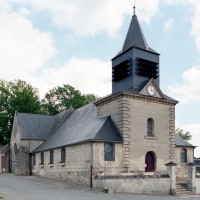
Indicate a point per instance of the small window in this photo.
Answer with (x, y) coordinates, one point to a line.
(34, 160)
(150, 127)
(109, 152)
(42, 158)
(183, 156)
(15, 148)
(51, 157)
(63, 155)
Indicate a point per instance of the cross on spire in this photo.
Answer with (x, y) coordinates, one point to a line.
(134, 8)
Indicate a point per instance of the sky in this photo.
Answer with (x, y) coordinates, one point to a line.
(49, 43)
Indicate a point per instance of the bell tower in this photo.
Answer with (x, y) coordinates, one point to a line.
(136, 63)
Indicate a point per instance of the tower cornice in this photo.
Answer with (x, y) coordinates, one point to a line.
(130, 95)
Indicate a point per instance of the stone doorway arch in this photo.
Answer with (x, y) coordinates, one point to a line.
(150, 162)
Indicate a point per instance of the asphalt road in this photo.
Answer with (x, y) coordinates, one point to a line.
(38, 188)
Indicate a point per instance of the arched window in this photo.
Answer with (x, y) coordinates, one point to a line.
(15, 148)
(63, 153)
(150, 127)
(183, 156)
(34, 159)
(109, 152)
(42, 158)
(51, 157)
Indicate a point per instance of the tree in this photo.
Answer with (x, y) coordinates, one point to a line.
(15, 96)
(60, 98)
(185, 135)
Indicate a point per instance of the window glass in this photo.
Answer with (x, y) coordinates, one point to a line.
(42, 158)
(34, 159)
(109, 152)
(150, 127)
(183, 156)
(51, 157)
(63, 155)
(15, 148)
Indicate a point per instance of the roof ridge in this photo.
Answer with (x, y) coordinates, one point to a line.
(63, 118)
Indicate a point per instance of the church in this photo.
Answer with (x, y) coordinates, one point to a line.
(125, 142)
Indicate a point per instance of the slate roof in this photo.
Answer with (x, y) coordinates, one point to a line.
(197, 161)
(81, 126)
(135, 37)
(39, 127)
(182, 143)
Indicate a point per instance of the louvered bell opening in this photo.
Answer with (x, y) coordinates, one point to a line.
(147, 68)
(121, 70)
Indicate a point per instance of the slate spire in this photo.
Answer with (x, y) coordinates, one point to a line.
(136, 63)
(135, 36)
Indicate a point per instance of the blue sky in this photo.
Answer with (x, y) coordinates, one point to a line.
(50, 43)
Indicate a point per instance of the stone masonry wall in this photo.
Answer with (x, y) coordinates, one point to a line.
(106, 167)
(135, 185)
(17, 156)
(76, 168)
(197, 185)
(22, 162)
(172, 134)
(182, 168)
(130, 114)
(119, 109)
(140, 112)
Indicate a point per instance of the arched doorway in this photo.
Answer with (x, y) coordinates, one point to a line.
(150, 162)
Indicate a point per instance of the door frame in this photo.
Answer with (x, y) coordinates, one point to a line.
(150, 155)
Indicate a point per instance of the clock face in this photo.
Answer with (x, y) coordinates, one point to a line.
(151, 90)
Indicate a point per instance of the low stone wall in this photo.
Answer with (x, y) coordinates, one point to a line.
(80, 176)
(198, 185)
(145, 184)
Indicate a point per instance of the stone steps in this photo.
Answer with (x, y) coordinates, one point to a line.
(182, 189)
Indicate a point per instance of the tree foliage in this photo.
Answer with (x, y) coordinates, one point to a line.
(185, 135)
(15, 96)
(61, 98)
(22, 97)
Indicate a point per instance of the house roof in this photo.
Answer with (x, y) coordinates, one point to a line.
(39, 127)
(197, 161)
(182, 143)
(81, 126)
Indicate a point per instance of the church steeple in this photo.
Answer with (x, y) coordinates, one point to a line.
(136, 63)
(135, 36)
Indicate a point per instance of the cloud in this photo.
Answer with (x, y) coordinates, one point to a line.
(194, 8)
(196, 23)
(194, 130)
(23, 48)
(87, 75)
(26, 52)
(189, 90)
(91, 17)
(168, 25)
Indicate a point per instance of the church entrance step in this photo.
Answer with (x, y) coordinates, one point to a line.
(182, 189)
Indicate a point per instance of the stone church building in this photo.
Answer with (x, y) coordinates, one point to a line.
(125, 142)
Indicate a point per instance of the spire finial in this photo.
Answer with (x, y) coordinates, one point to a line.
(134, 8)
